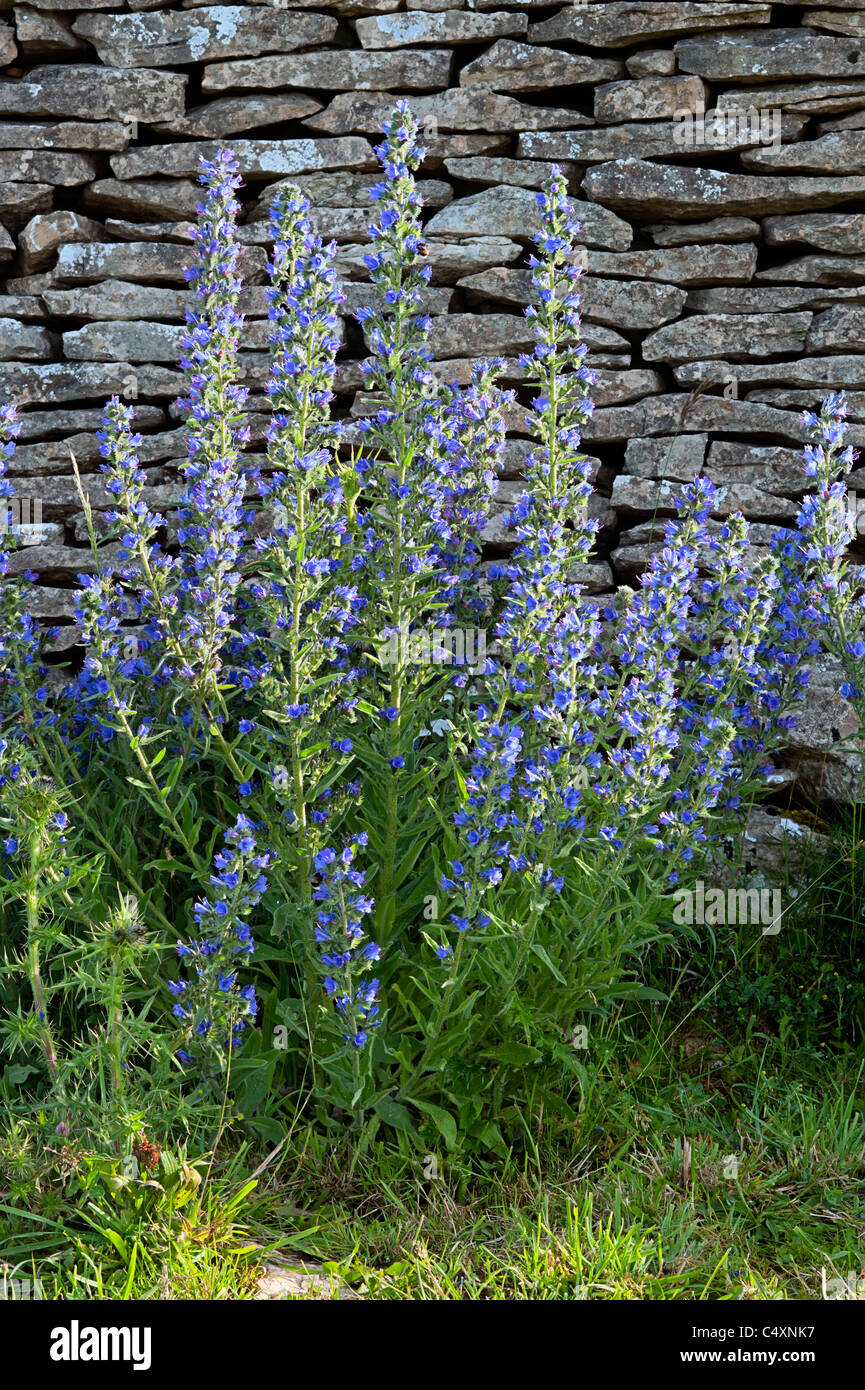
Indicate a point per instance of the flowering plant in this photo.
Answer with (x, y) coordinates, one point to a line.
(452, 863)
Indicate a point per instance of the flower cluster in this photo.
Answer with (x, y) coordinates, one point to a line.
(430, 451)
(212, 1006)
(347, 954)
(149, 573)
(212, 515)
(615, 728)
(833, 585)
(304, 588)
(20, 639)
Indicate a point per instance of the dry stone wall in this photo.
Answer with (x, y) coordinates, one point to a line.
(717, 151)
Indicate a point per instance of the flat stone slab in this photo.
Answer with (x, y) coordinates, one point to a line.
(774, 53)
(841, 232)
(633, 305)
(512, 212)
(727, 335)
(65, 135)
(335, 70)
(836, 153)
(45, 232)
(648, 98)
(827, 373)
(63, 170)
(226, 115)
(718, 229)
(675, 413)
(448, 26)
(765, 299)
(56, 382)
(839, 329)
(817, 270)
(680, 265)
(643, 190)
(24, 342)
(457, 108)
(158, 198)
(770, 467)
(680, 457)
(450, 260)
(105, 93)
(526, 67)
(653, 139)
(811, 98)
(256, 158)
(519, 173)
(21, 201)
(619, 23)
(176, 37)
(852, 24)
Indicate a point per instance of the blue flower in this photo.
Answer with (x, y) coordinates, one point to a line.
(349, 952)
(211, 991)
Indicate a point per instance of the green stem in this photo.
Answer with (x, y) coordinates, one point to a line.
(34, 970)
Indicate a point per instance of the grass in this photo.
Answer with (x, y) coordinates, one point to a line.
(696, 1172)
(634, 1206)
(719, 1154)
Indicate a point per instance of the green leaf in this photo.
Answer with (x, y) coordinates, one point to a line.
(394, 1114)
(541, 953)
(17, 1073)
(514, 1054)
(444, 1123)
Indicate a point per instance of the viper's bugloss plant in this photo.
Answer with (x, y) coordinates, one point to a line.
(212, 1003)
(21, 674)
(428, 471)
(824, 526)
(605, 743)
(347, 954)
(447, 799)
(304, 587)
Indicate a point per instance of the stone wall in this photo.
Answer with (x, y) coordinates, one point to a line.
(724, 289)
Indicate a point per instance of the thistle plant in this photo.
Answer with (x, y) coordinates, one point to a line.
(33, 830)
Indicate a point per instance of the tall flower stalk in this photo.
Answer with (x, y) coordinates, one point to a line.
(213, 1007)
(304, 584)
(824, 526)
(426, 490)
(212, 516)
